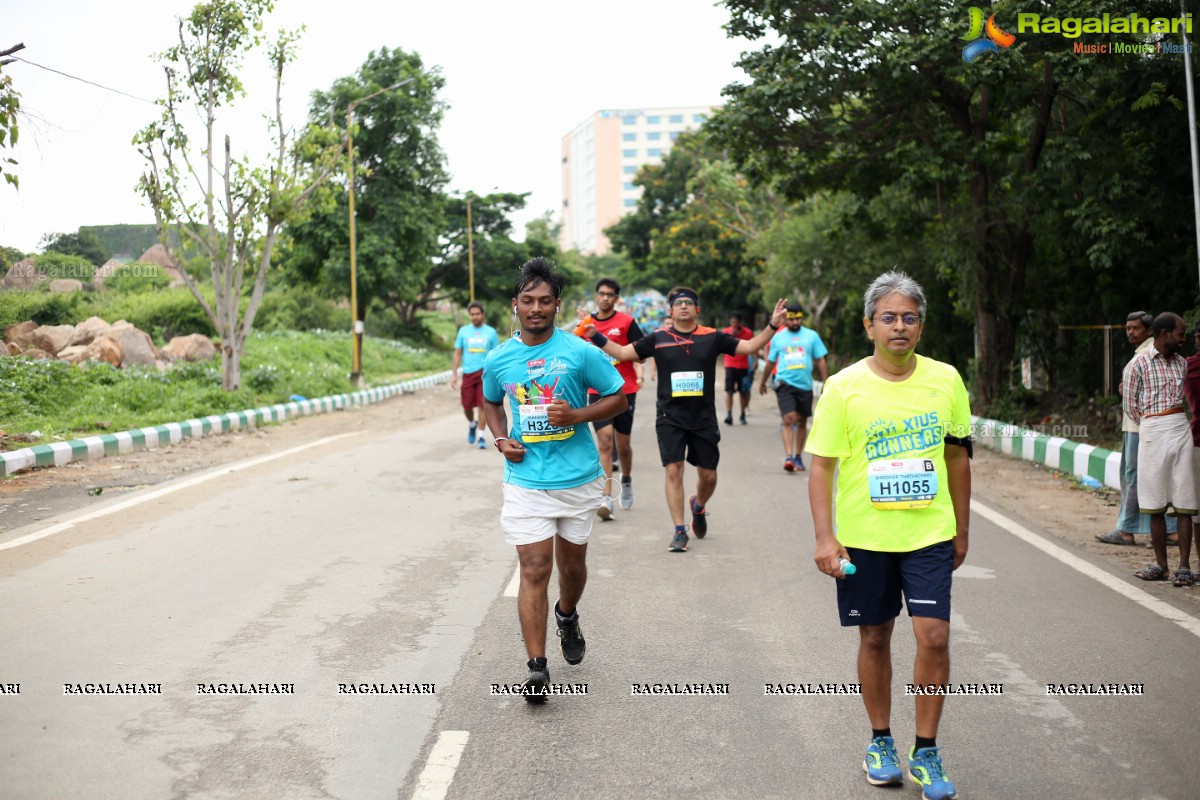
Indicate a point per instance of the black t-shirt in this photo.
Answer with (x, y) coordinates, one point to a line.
(687, 367)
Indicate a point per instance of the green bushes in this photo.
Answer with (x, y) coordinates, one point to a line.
(300, 308)
(162, 314)
(43, 308)
(61, 265)
(137, 277)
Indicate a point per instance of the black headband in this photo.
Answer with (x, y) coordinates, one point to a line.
(683, 293)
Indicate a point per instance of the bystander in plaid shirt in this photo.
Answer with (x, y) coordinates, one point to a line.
(1153, 384)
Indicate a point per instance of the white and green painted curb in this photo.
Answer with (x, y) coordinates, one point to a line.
(1055, 452)
(57, 454)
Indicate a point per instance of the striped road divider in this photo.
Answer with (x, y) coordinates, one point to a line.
(57, 454)
(1055, 452)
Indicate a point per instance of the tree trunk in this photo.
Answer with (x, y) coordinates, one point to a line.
(231, 367)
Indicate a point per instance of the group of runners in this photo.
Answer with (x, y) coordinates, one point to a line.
(890, 440)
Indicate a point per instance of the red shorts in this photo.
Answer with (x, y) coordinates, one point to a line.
(472, 390)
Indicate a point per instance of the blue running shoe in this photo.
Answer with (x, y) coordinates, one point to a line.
(471, 432)
(482, 442)
(678, 542)
(925, 769)
(882, 763)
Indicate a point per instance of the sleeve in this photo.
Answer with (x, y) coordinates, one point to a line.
(1130, 385)
(644, 347)
(727, 343)
(493, 391)
(600, 374)
(634, 333)
(459, 344)
(827, 437)
(772, 349)
(960, 413)
(495, 340)
(819, 350)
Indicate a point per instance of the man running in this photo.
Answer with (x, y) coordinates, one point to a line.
(793, 353)
(622, 329)
(552, 475)
(471, 347)
(685, 354)
(737, 367)
(896, 428)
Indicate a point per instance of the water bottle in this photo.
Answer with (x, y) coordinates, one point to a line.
(846, 567)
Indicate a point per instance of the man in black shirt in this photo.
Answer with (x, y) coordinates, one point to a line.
(685, 355)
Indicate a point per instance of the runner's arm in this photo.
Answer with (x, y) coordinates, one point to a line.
(454, 367)
(561, 414)
(768, 370)
(748, 346)
(820, 501)
(497, 422)
(823, 368)
(958, 480)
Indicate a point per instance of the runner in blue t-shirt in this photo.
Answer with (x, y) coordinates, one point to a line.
(553, 481)
(792, 354)
(471, 347)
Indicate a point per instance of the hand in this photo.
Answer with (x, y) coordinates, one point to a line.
(960, 549)
(512, 449)
(826, 557)
(454, 381)
(762, 388)
(560, 413)
(778, 314)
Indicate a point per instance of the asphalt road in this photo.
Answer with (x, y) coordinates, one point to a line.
(377, 560)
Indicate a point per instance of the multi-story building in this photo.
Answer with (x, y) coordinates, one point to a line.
(599, 160)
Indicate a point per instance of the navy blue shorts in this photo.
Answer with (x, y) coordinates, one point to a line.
(871, 596)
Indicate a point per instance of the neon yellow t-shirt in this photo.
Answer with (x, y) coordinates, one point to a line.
(892, 494)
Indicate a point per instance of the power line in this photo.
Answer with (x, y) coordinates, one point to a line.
(84, 80)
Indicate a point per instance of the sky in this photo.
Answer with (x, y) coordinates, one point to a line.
(519, 76)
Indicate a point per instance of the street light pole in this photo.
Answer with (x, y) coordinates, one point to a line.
(358, 327)
(470, 249)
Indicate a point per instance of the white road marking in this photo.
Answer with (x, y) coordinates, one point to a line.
(187, 483)
(515, 584)
(439, 769)
(972, 571)
(1164, 610)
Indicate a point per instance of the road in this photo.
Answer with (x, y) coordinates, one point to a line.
(376, 559)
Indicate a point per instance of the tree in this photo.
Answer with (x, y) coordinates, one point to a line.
(83, 244)
(232, 210)
(400, 211)
(873, 98)
(10, 104)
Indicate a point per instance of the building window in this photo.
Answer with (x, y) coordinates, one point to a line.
(675, 119)
(674, 135)
(628, 170)
(629, 153)
(655, 120)
(654, 137)
(654, 152)
(628, 186)
(628, 137)
(629, 120)
(699, 118)
(630, 202)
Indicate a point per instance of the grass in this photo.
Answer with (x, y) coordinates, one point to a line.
(63, 401)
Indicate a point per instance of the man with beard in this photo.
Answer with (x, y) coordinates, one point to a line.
(895, 429)
(793, 354)
(553, 480)
(685, 354)
(471, 347)
(1152, 395)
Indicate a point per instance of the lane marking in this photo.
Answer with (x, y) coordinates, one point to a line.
(514, 585)
(439, 769)
(1150, 603)
(154, 494)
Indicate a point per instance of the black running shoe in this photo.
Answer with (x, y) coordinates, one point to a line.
(532, 687)
(699, 523)
(570, 638)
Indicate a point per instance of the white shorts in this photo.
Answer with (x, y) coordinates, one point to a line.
(1165, 476)
(534, 515)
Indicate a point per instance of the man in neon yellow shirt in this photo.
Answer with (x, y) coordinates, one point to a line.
(896, 428)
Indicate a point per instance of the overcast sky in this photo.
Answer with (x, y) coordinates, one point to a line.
(519, 75)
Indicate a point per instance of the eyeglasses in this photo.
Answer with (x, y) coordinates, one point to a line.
(890, 319)
(606, 294)
(683, 301)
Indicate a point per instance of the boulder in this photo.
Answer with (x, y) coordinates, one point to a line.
(103, 349)
(194, 347)
(35, 353)
(157, 254)
(136, 346)
(52, 338)
(14, 333)
(105, 272)
(66, 285)
(89, 329)
(14, 349)
(72, 353)
(22, 275)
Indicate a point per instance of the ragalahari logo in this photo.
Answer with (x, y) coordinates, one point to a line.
(978, 43)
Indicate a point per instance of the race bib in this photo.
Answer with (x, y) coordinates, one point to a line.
(902, 484)
(794, 360)
(687, 384)
(476, 344)
(535, 425)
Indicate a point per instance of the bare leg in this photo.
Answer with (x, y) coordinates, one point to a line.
(625, 452)
(675, 491)
(932, 666)
(788, 433)
(604, 443)
(706, 484)
(1158, 538)
(572, 573)
(875, 672)
(1185, 542)
(532, 607)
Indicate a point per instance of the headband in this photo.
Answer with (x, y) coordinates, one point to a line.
(671, 298)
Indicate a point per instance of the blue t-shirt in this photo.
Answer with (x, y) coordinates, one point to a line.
(564, 366)
(794, 355)
(475, 344)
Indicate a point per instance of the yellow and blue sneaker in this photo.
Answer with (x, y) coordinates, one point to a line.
(925, 769)
(882, 763)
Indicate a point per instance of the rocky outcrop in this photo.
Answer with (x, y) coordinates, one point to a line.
(158, 255)
(194, 347)
(89, 329)
(136, 345)
(22, 275)
(51, 338)
(19, 333)
(103, 349)
(66, 285)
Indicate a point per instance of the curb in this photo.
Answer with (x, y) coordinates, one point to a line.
(57, 454)
(1051, 451)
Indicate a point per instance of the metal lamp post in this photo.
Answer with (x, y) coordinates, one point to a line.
(356, 355)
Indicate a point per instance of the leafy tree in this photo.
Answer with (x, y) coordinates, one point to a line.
(63, 265)
(399, 177)
(10, 104)
(231, 209)
(83, 244)
(873, 98)
(10, 256)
